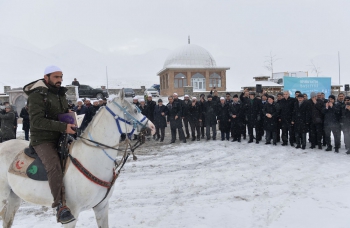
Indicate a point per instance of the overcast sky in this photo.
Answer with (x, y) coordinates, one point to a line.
(237, 33)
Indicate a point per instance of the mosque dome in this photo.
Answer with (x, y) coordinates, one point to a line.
(190, 56)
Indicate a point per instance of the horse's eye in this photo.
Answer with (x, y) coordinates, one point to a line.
(135, 110)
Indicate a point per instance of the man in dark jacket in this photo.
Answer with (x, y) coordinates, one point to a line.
(75, 82)
(210, 112)
(301, 120)
(202, 101)
(151, 105)
(332, 116)
(15, 121)
(185, 114)
(237, 117)
(224, 119)
(47, 99)
(25, 121)
(80, 108)
(174, 118)
(286, 107)
(345, 121)
(91, 112)
(160, 113)
(195, 118)
(215, 95)
(253, 116)
(270, 120)
(6, 118)
(316, 127)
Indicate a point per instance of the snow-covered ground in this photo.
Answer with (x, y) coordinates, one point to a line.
(222, 184)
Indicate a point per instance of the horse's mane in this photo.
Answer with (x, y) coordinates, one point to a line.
(98, 113)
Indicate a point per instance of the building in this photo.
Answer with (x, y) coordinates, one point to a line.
(191, 65)
(268, 86)
(278, 76)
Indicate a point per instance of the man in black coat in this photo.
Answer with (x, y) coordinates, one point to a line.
(195, 118)
(237, 118)
(160, 113)
(75, 82)
(286, 106)
(210, 112)
(92, 110)
(332, 116)
(279, 123)
(25, 122)
(202, 101)
(175, 120)
(244, 98)
(80, 108)
(215, 95)
(185, 114)
(151, 105)
(345, 122)
(316, 127)
(223, 117)
(253, 109)
(271, 120)
(301, 120)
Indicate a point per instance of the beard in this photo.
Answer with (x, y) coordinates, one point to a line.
(57, 84)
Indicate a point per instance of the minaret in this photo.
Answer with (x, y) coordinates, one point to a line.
(189, 40)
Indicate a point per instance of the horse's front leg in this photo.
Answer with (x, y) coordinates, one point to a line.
(101, 214)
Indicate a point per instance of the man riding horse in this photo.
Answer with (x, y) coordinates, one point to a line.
(47, 99)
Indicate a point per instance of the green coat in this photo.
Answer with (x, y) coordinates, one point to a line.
(45, 102)
(7, 127)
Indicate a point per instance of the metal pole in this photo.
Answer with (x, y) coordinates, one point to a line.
(107, 79)
(339, 65)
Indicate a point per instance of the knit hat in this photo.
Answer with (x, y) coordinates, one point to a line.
(194, 98)
(94, 101)
(301, 95)
(235, 96)
(142, 100)
(331, 96)
(228, 94)
(279, 94)
(202, 95)
(160, 100)
(313, 94)
(222, 98)
(51, 69)
(210, 96)
(272, 97)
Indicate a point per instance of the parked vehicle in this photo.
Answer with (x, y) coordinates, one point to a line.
(88, 91)
(157, 87)
(129, 92)
(151, 91)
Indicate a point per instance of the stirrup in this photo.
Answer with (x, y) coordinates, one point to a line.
(64, 215)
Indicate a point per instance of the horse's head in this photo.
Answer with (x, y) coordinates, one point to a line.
(132, 114)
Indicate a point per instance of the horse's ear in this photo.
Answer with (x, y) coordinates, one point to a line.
(121, 94)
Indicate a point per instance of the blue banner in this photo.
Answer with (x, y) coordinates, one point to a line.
(308, 85)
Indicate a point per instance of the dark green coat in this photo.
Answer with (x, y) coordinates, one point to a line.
(7, 127)
(45, 102)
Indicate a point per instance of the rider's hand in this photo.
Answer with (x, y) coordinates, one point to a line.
(69, 129)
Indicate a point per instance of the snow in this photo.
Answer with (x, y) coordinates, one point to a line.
(222, 184)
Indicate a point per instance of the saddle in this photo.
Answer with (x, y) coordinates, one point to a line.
(28, 164)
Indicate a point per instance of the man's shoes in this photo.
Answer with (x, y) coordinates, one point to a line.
(329, 148)
(214, 138)
(188, 136)
(239, 140)
(267, 143)
(320, 147)
(336, 150)
(172, 141)
(208, 139)
(161, 140)
(275, 144)
(202, 137)
(250, 141)
(257, 142)
(298, 147)
(184, 141)
(284, 144)
(312, 147)
(198, 139)
(222, 139)
(292, 144)
(64, 215)
(193, 139)
(303, 147)
(234, 140)
(244, 137)
(348, 152)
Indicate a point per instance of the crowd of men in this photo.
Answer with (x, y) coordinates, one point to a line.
(281, 119)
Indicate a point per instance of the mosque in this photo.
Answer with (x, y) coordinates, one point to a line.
(191, 65)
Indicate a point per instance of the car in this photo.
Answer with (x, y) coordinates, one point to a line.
(151, 91)
(129, 92)
(157, 87)
(88, 91)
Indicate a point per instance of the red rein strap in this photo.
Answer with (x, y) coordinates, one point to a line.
(90, 176)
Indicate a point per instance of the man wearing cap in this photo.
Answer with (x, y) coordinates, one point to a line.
(25, 121)
(7, 118)
(237, 116)
(160, 113)
(253, 109)
(80, 108)
(75, 82)
(143, 107)
(185, 114)
(47, 99)
(135, 101)
(300, 119)
(202, 123)
(316, 127)
(345, 122)
(15, 121)
(210, 112)
(332, 115)
(87, 102)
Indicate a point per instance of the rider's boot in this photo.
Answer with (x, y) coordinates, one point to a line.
(64, 215)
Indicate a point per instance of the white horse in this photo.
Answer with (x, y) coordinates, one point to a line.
(81, 193)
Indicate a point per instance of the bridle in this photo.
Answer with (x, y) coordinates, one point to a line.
(136, 125)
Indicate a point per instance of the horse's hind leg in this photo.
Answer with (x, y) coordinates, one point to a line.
(101, 214)
(13, 203)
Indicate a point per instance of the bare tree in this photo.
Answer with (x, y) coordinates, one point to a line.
(269, 62)
(315, 68)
